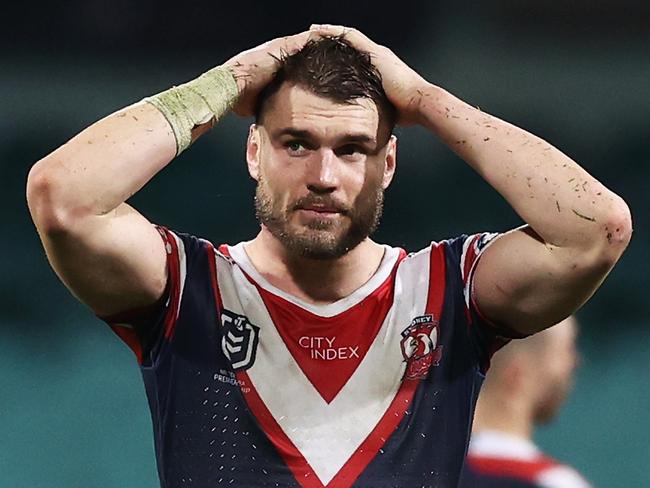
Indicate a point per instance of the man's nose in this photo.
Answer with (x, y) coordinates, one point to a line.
(323, 172)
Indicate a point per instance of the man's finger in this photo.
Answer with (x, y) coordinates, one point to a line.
(355, 37)
(330, 30)
(296, 42)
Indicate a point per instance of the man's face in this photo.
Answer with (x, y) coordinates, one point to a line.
(556, 381)
(321, 169)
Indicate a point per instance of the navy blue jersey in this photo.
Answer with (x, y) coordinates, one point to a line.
(249, 386)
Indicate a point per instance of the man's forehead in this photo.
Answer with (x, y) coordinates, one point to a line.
(298, 108)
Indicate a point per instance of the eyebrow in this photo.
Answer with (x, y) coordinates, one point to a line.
(307, 135)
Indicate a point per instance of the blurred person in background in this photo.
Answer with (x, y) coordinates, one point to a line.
(527, 383)
(311, 355)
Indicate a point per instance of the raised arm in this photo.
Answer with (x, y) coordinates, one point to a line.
(534, 276)
(106, 253)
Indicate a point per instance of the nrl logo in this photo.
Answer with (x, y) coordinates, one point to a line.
(239, 339)
(420, 346)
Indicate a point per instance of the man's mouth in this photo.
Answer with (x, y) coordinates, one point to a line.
(318, 212)
(319, 208)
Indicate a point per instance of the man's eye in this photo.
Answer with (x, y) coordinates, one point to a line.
(295, 146)
(350, 150)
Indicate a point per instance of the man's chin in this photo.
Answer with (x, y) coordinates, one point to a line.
(319, 239)
(318, 223)
(318, 244)
(322, 233)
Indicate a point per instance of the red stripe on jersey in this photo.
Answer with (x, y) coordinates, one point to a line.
(513, 468)
(471, 254)
(437, 280)
(223, 249)
(209, 248)
(125, 324)
(315, 341)
(302, 471)
(368, 449)
(378, 437)
(404, 397)
(300, 468)
(173, 269)
(467, 259)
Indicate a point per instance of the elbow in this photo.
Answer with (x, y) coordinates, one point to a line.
(44, 199)
(616, 232)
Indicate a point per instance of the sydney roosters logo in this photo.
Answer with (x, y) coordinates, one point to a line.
(420, 346)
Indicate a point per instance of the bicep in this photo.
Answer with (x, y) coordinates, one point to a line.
(526, 285)
(112, 263)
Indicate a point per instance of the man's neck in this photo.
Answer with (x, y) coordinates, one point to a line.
(315, 281)
(505, 414)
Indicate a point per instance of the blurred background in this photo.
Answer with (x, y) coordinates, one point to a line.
(72, 406)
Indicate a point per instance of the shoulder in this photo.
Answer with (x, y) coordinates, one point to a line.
(184, 247)
(558, 475)
(458, 255)
(493, 453)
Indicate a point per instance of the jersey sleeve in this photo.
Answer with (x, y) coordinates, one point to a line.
(464, 254)
(145, 330)
(562, 476)
(509, 472)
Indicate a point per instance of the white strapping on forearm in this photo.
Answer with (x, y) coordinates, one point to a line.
(196, 102)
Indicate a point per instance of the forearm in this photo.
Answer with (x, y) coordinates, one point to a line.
(105, 164)
(565, 205)
(108, 162)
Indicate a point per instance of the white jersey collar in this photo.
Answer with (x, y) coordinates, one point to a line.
(496, 444)
(239, 255)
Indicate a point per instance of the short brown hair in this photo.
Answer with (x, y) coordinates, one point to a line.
(332, 68)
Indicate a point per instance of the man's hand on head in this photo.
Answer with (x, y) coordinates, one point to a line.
(403, 86)
(254, 68)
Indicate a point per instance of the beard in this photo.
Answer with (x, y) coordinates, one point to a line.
(325, 238)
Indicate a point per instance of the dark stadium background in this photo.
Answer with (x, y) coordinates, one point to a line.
(72, 406)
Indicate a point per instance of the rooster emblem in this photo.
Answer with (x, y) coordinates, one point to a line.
(420, 347)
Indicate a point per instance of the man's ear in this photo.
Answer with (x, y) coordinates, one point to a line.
(253, 152)
(390, 161)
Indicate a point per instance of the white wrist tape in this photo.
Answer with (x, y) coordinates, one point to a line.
(196, 102)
